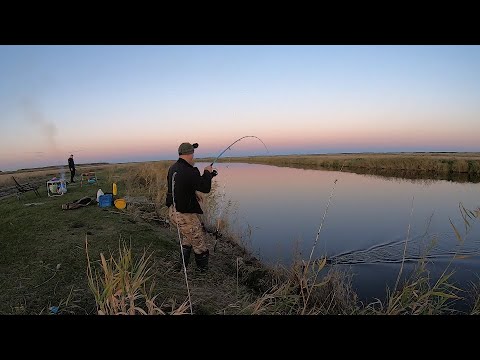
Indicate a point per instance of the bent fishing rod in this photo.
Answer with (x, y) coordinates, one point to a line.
(229, 146)
(216, 232)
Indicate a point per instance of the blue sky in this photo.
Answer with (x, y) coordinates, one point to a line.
(135, 103)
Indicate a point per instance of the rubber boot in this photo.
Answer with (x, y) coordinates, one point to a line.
(186, 256)
(202, 261)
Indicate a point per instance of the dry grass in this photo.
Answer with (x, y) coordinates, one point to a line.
(122, 285)
(306, 288)
(301, 290)
(419, 297)
(44, 174)
(476, 300)
(431, 163)
(218, 214)
(146, 182)
(121, 288)
(296, 292)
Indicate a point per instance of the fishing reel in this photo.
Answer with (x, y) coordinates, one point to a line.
(214, 173)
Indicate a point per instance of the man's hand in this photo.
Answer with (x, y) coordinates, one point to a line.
(208, 168)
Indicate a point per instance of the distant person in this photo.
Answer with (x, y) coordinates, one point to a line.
(71, 166)
(183, 205)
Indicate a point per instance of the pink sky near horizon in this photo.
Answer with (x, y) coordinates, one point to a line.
(123, 149)
(138, 103)
(137, 144)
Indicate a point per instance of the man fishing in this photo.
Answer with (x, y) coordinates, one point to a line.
(183, 207)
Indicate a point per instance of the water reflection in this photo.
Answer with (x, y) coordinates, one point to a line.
(400, 175)
(419, 176)
(366, 224)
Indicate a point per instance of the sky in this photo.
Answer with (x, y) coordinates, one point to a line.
(106, 103)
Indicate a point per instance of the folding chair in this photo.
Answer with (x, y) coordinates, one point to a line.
(23, 188)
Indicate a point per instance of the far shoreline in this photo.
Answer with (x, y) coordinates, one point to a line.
(344, 155)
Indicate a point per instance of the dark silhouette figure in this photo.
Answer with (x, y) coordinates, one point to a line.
(71, 166)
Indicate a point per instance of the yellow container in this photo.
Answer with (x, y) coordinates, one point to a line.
(114, 190)
(120, 204)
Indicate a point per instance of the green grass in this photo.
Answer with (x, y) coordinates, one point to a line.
(43, 261)
(35, 239)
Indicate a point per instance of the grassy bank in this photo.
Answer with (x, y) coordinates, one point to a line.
(44, 261)
(448, 166)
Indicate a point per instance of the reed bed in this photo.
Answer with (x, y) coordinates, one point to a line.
(433, 163)
(419, 295)
(296, 292)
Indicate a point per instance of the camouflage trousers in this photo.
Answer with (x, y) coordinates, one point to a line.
(191, 229)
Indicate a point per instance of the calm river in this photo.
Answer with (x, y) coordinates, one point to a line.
(366, 224)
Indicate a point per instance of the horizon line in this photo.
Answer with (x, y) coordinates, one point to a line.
(248, 156)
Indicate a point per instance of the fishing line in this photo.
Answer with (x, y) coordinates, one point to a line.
(229, 148)
(180, 241)
(222, 207)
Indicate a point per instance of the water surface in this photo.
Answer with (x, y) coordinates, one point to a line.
(365, 227)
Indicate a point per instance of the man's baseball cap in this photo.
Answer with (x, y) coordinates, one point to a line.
(187, 148)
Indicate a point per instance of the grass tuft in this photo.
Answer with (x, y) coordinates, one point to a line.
(120, 286)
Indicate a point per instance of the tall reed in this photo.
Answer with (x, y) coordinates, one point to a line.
(295, 292)
(121, 286)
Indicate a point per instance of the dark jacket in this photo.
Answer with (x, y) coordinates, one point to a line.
(187, 181)
(71, 164)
